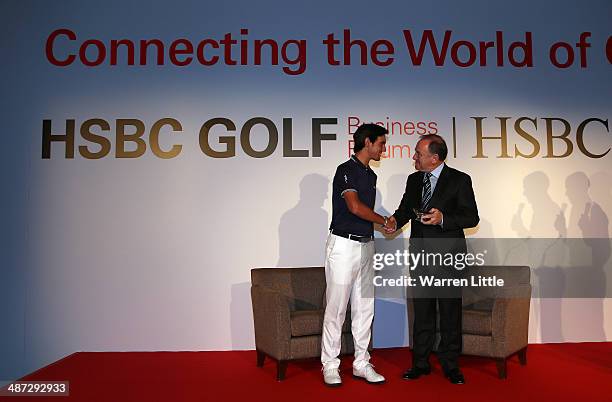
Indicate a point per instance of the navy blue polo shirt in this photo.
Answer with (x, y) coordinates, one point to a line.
(353, 175)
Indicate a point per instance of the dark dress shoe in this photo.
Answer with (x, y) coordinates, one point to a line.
(455, 376)
(415, 372)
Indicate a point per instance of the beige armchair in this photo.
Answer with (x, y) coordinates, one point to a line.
(288, 307)
(495, 321)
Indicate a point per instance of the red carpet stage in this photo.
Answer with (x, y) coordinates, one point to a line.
(554, 372)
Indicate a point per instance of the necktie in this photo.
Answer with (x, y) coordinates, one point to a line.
(426, 191)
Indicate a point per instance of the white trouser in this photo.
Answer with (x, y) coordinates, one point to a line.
(349, 274)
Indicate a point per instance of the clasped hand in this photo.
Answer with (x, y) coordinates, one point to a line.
(391, 225)
(432, 217)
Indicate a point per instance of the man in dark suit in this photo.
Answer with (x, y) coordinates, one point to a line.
(445, 197)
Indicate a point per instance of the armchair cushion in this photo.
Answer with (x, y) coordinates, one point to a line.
(477, 322)
(310, 322)
(481, 305)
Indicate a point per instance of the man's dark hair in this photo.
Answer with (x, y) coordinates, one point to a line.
(436, 145)
(370, 131)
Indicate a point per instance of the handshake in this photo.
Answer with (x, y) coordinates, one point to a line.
(431, 217)
(390, 225)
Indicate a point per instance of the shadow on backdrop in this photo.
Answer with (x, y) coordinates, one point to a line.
(588, 221)
(303, 229)
(546, 218)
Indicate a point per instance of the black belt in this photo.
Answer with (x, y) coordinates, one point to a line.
(360, 239)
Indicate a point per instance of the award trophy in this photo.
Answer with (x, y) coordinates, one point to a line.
(419, 213)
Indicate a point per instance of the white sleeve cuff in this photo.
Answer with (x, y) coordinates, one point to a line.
(347, 190)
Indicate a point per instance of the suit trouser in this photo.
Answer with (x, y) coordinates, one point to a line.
(424, 331)
(349, 274)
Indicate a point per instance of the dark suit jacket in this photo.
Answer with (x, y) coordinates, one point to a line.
(453, 196)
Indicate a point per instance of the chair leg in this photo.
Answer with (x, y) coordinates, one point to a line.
(261, 356)
(522, 355)
(281, 368)
(501, 368)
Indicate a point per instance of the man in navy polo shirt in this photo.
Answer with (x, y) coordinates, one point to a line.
(349, 256)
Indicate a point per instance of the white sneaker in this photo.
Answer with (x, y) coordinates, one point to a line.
(368, 374)
(331, 377)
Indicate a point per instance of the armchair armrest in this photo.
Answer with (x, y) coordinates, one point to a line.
(272, 318)
(510, 319)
